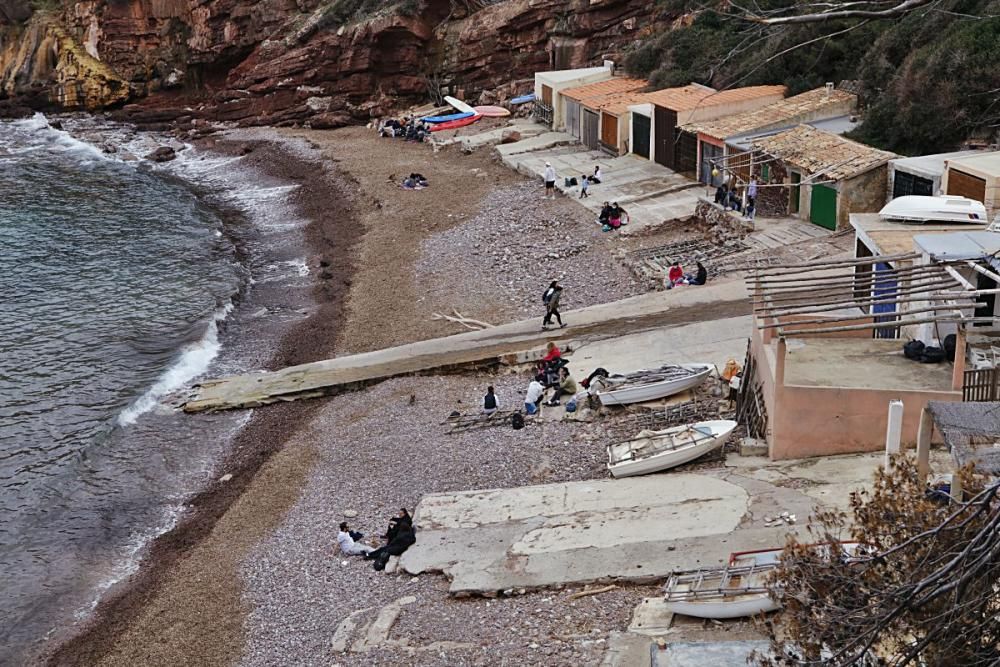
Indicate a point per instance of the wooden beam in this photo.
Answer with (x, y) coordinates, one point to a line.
(851, 318)
(816, 266)
(959, 277)
(809, 309)
(979, 269)
(849, 282)
(859, 275)
(886, 325)
(908, 291)
(924, 433)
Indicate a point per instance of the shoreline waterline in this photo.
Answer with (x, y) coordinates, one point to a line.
(280, 306)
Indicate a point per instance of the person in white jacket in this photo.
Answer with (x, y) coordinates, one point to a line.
(550, 181)
(348, 546)
(533, 397)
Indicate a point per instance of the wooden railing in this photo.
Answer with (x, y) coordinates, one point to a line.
(981, 384)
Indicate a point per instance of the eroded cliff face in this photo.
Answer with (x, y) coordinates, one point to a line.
(290, 61)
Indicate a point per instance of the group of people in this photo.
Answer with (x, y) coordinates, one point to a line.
(398, 538)
(411, 129)
(729, 198)
(612, 217)
(552, 373)
(415, 182)
(676, 276)
(549, 176)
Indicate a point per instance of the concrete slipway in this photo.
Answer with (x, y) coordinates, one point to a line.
(514, 342)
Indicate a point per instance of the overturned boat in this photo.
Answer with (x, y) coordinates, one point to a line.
(650, 385)
(947, 208)
(653, 451)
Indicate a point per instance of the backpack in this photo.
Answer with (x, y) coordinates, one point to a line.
(571, 405)
(516, 421)
(913, 350)
(547, 296)
(949, 347)
(932, 355)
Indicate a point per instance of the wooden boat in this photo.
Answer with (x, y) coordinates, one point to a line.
(491, 111)
(923, 208)
(455, 124)
(447, 117)
(736, 590)
(652, 451)
(652, 385)
(459, 105)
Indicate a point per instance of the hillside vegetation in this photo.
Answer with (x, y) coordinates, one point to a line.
(928, 81)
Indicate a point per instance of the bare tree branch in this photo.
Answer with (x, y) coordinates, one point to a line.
(897, 11)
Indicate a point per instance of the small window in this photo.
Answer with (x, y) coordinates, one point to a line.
(765, 172)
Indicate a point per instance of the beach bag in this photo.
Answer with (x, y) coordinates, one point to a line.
(606, 228)
(516, 421)
(913, 350)
(570, 182)
(932, 355)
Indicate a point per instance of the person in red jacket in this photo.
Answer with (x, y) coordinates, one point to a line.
(675, 276)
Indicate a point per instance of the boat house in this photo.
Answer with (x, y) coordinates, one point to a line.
(824, 177)
(716, 146)
(655, 117)
(582, 110)
(921, 175)
(548, 107)
(976, 177)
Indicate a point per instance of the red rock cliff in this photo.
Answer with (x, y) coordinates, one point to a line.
(291, 61)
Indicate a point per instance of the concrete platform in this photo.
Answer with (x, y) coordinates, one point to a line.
(540, 142)
(634, 529)
(527, 128)
(860, 363)
(652, 194)
(509, 342)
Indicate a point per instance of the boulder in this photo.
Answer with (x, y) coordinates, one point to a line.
(329, 121)
(162, 154)
(510, 136)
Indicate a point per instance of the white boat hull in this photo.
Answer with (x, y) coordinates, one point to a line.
(947, 208)
(670, 458)
(657, 390)
(459, 105)
(736, 607)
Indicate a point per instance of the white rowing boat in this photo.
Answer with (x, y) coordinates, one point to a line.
(652, 451)
(459, 105)
(736, 590)
(652, 385)
(947, 208)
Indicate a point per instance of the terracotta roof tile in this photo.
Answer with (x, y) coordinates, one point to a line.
(616, 85)
(787, 111)
(815, 151)
(691, 97)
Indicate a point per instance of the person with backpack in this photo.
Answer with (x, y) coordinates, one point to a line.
(551, 300)
(490, 402)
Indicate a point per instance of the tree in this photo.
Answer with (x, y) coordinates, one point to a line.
(922, 591)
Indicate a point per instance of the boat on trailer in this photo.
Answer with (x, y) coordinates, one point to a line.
(653, 451)
(946, 208)
(650, 385)
(735, 590)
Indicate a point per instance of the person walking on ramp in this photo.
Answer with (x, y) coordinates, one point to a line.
(551, 301)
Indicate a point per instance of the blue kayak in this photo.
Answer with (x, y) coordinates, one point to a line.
(530, 97)
(445, 119)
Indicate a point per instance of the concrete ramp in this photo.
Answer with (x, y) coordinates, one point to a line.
(514, 343)
(633, 529)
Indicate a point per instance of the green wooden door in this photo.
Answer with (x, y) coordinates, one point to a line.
(823, 206)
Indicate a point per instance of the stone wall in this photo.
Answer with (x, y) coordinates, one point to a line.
(772, 202)
(718, 224)
(865, 193)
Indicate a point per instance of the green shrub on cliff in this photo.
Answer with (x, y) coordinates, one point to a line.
(928, 80)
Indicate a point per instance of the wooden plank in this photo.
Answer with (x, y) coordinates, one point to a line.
(885, 325)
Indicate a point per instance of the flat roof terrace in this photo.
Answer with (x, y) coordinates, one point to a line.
(860, 363)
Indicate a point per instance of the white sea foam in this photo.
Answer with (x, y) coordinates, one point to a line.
(194, 360)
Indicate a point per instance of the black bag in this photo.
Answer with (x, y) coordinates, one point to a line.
(516, 421)
(913, 350)
(380, 561)
(949, 347)
(570, 182)
(932, 355)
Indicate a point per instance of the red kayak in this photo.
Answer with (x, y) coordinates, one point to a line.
(455, 124)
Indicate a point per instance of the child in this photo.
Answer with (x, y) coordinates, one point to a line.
(584, 184)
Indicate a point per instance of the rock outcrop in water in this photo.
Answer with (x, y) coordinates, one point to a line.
(292, 61)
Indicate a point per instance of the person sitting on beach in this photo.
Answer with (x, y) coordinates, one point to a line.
(404, 538)
(396, 522)
(615, 216)
(419, 179)
(596, 178)
(348, 545)
(620, 212)
(567, 385)
(734, 201)
(552, 351)
(675, 276)
(490, 402)
(698, 278)
(533, 397)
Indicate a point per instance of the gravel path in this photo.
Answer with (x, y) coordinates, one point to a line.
(516, 243)
(379, 450)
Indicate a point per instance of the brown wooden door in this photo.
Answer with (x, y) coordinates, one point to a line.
(547, 95)
(664, 122)
(590, 122)
(609, 131)
(966, 185)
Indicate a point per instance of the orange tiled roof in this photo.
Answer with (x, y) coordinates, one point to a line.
(691, 97)
(615, 85)
(787, 111)
(816, 151)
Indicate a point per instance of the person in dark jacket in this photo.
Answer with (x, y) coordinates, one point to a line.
(551, 301)
(401, 519)
(490, 402)
(402, 541)
(698, 278)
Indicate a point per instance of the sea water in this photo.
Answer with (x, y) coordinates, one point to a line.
(114, 283)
